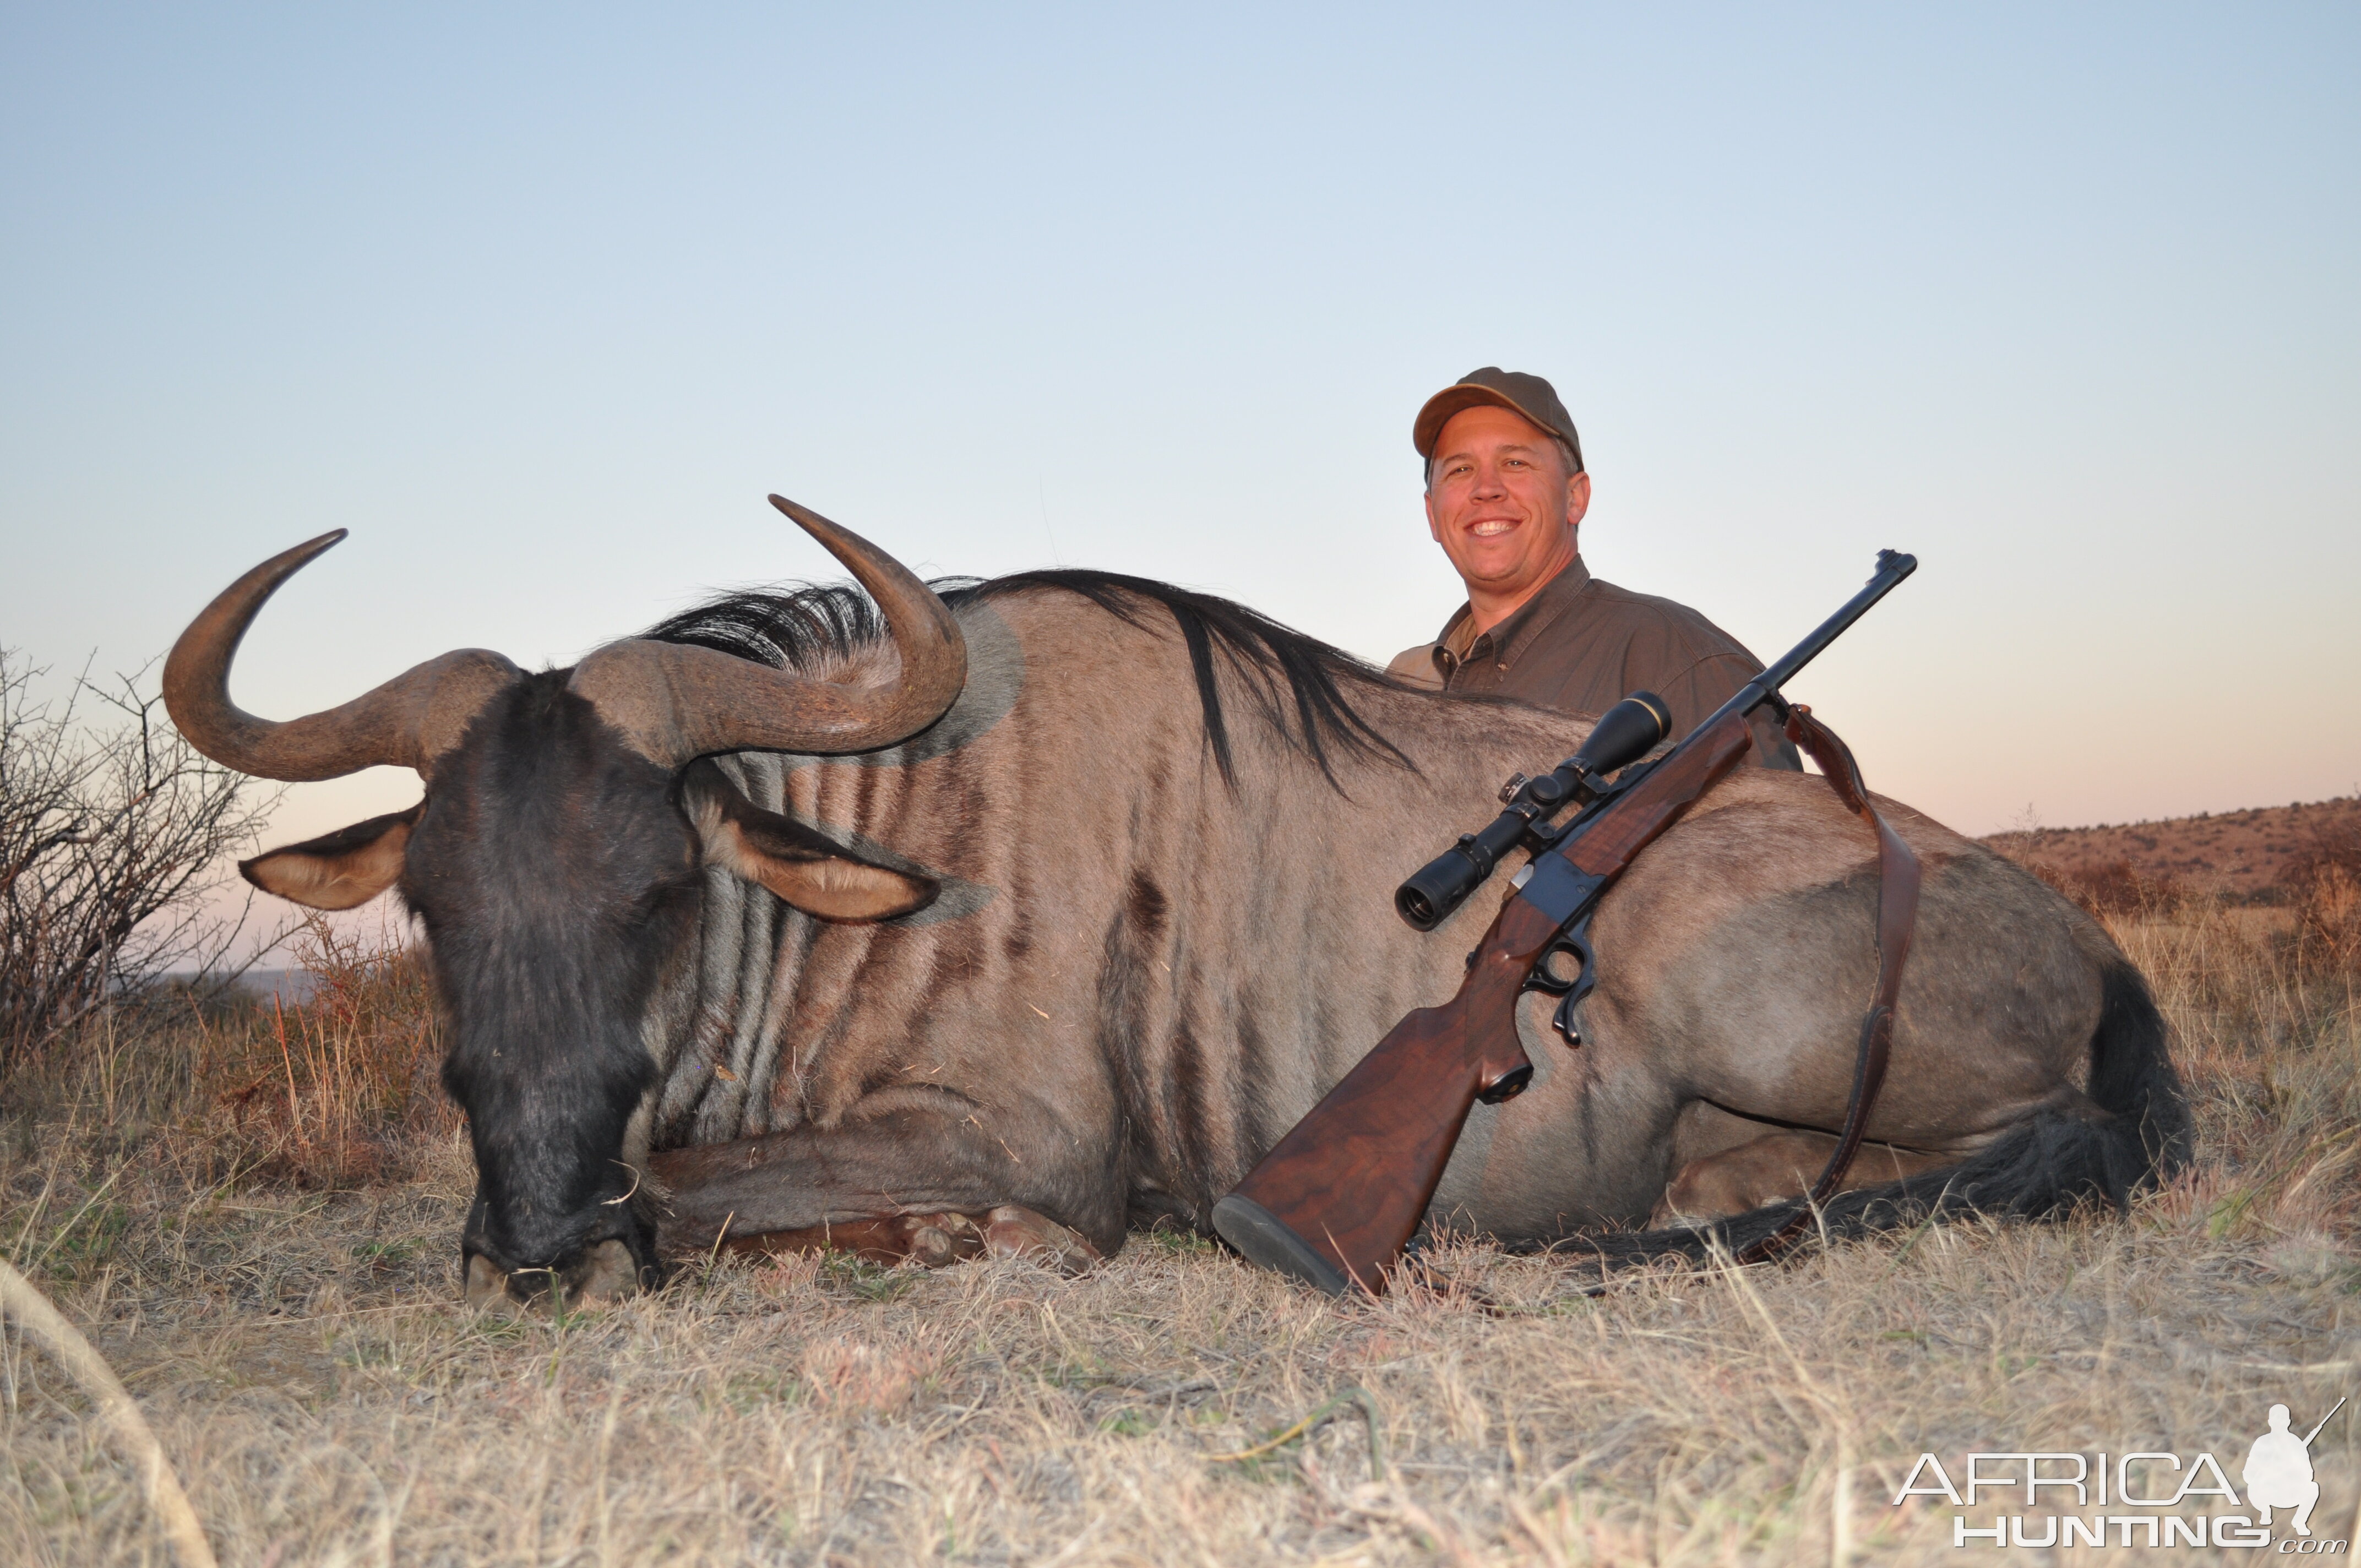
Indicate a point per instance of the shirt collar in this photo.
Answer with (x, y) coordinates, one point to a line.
(1514, 635)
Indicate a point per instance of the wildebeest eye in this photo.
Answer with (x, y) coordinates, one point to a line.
(669, 891)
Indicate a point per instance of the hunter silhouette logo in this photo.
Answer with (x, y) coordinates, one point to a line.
(2141, 1498)
(2278, 1471)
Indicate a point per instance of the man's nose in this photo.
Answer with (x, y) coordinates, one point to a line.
(1489, 484)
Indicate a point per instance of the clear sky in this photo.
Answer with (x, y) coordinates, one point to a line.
(539, 303)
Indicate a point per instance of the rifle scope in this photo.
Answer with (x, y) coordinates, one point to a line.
(1624, 734)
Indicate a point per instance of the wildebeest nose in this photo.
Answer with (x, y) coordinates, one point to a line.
(604, 1273)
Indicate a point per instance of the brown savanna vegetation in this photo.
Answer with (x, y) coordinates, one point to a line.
(253, 1211)
(2266, 855)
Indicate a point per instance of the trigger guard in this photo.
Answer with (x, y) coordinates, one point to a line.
(1541, 977)
(1575, 941)
(1570, 993)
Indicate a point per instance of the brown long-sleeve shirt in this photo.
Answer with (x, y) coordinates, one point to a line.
(1580, 644)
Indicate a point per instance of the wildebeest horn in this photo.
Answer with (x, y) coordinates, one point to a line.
(406, 722)
(678, 703)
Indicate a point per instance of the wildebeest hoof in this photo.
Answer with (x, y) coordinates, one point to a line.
(1773, 1168)
(930, 1241)
(1012, 1232)
(604, 1274)
(931, 1246)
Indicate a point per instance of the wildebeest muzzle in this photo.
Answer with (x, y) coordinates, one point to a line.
(614, 1257)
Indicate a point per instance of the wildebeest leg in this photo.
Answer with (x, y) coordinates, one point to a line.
(1778, 1166)
(934, 1240)
(1017, 1183)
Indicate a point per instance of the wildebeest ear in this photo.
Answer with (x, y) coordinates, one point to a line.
(812, 872)
(340, 870)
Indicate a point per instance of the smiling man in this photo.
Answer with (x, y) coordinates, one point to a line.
(1505, 497)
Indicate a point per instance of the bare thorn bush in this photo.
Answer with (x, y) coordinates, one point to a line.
(112, 831)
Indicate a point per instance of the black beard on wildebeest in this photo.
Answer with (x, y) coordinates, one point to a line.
(553, 870)
(556, 872)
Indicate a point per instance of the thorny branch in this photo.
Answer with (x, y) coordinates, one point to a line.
(112, 831)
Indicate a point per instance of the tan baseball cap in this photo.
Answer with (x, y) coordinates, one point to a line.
(1529, 396)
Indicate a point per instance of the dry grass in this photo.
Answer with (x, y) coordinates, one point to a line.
(284, 1308)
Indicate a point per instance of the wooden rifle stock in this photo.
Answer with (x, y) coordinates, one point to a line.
(1334, 1203)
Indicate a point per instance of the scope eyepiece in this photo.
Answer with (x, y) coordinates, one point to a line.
(1427, 899)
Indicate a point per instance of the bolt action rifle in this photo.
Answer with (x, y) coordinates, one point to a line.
(1335, 1202)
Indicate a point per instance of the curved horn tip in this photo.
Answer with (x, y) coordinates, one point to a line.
(803, 517)
(294, 558)
(834, 537)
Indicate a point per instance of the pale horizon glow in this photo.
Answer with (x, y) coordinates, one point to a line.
(539, 303)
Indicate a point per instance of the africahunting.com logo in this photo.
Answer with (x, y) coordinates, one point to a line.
(2156, 1499)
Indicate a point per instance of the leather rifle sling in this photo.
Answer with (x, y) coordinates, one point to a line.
(1897, 915)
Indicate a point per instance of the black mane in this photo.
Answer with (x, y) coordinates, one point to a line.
(1299, 680)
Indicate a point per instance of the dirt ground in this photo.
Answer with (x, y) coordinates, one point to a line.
(254, 1221)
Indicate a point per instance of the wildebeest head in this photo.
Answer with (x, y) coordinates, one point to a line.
(557, 863)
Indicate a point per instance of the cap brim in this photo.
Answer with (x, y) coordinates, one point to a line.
(1427, 429)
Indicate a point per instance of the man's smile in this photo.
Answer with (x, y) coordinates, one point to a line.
(1486, 527)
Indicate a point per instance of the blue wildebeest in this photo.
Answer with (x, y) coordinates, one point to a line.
(1041, 907)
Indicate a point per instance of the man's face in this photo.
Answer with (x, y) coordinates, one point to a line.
(1500, 502)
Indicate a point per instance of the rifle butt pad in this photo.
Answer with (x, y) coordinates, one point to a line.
(1265, 1239)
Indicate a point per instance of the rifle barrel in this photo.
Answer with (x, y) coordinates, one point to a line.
(1893, 566)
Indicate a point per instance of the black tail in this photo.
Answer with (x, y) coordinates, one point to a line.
(2045, 1167)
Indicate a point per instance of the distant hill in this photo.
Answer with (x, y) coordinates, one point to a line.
(290, 985)
(2253, 856)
